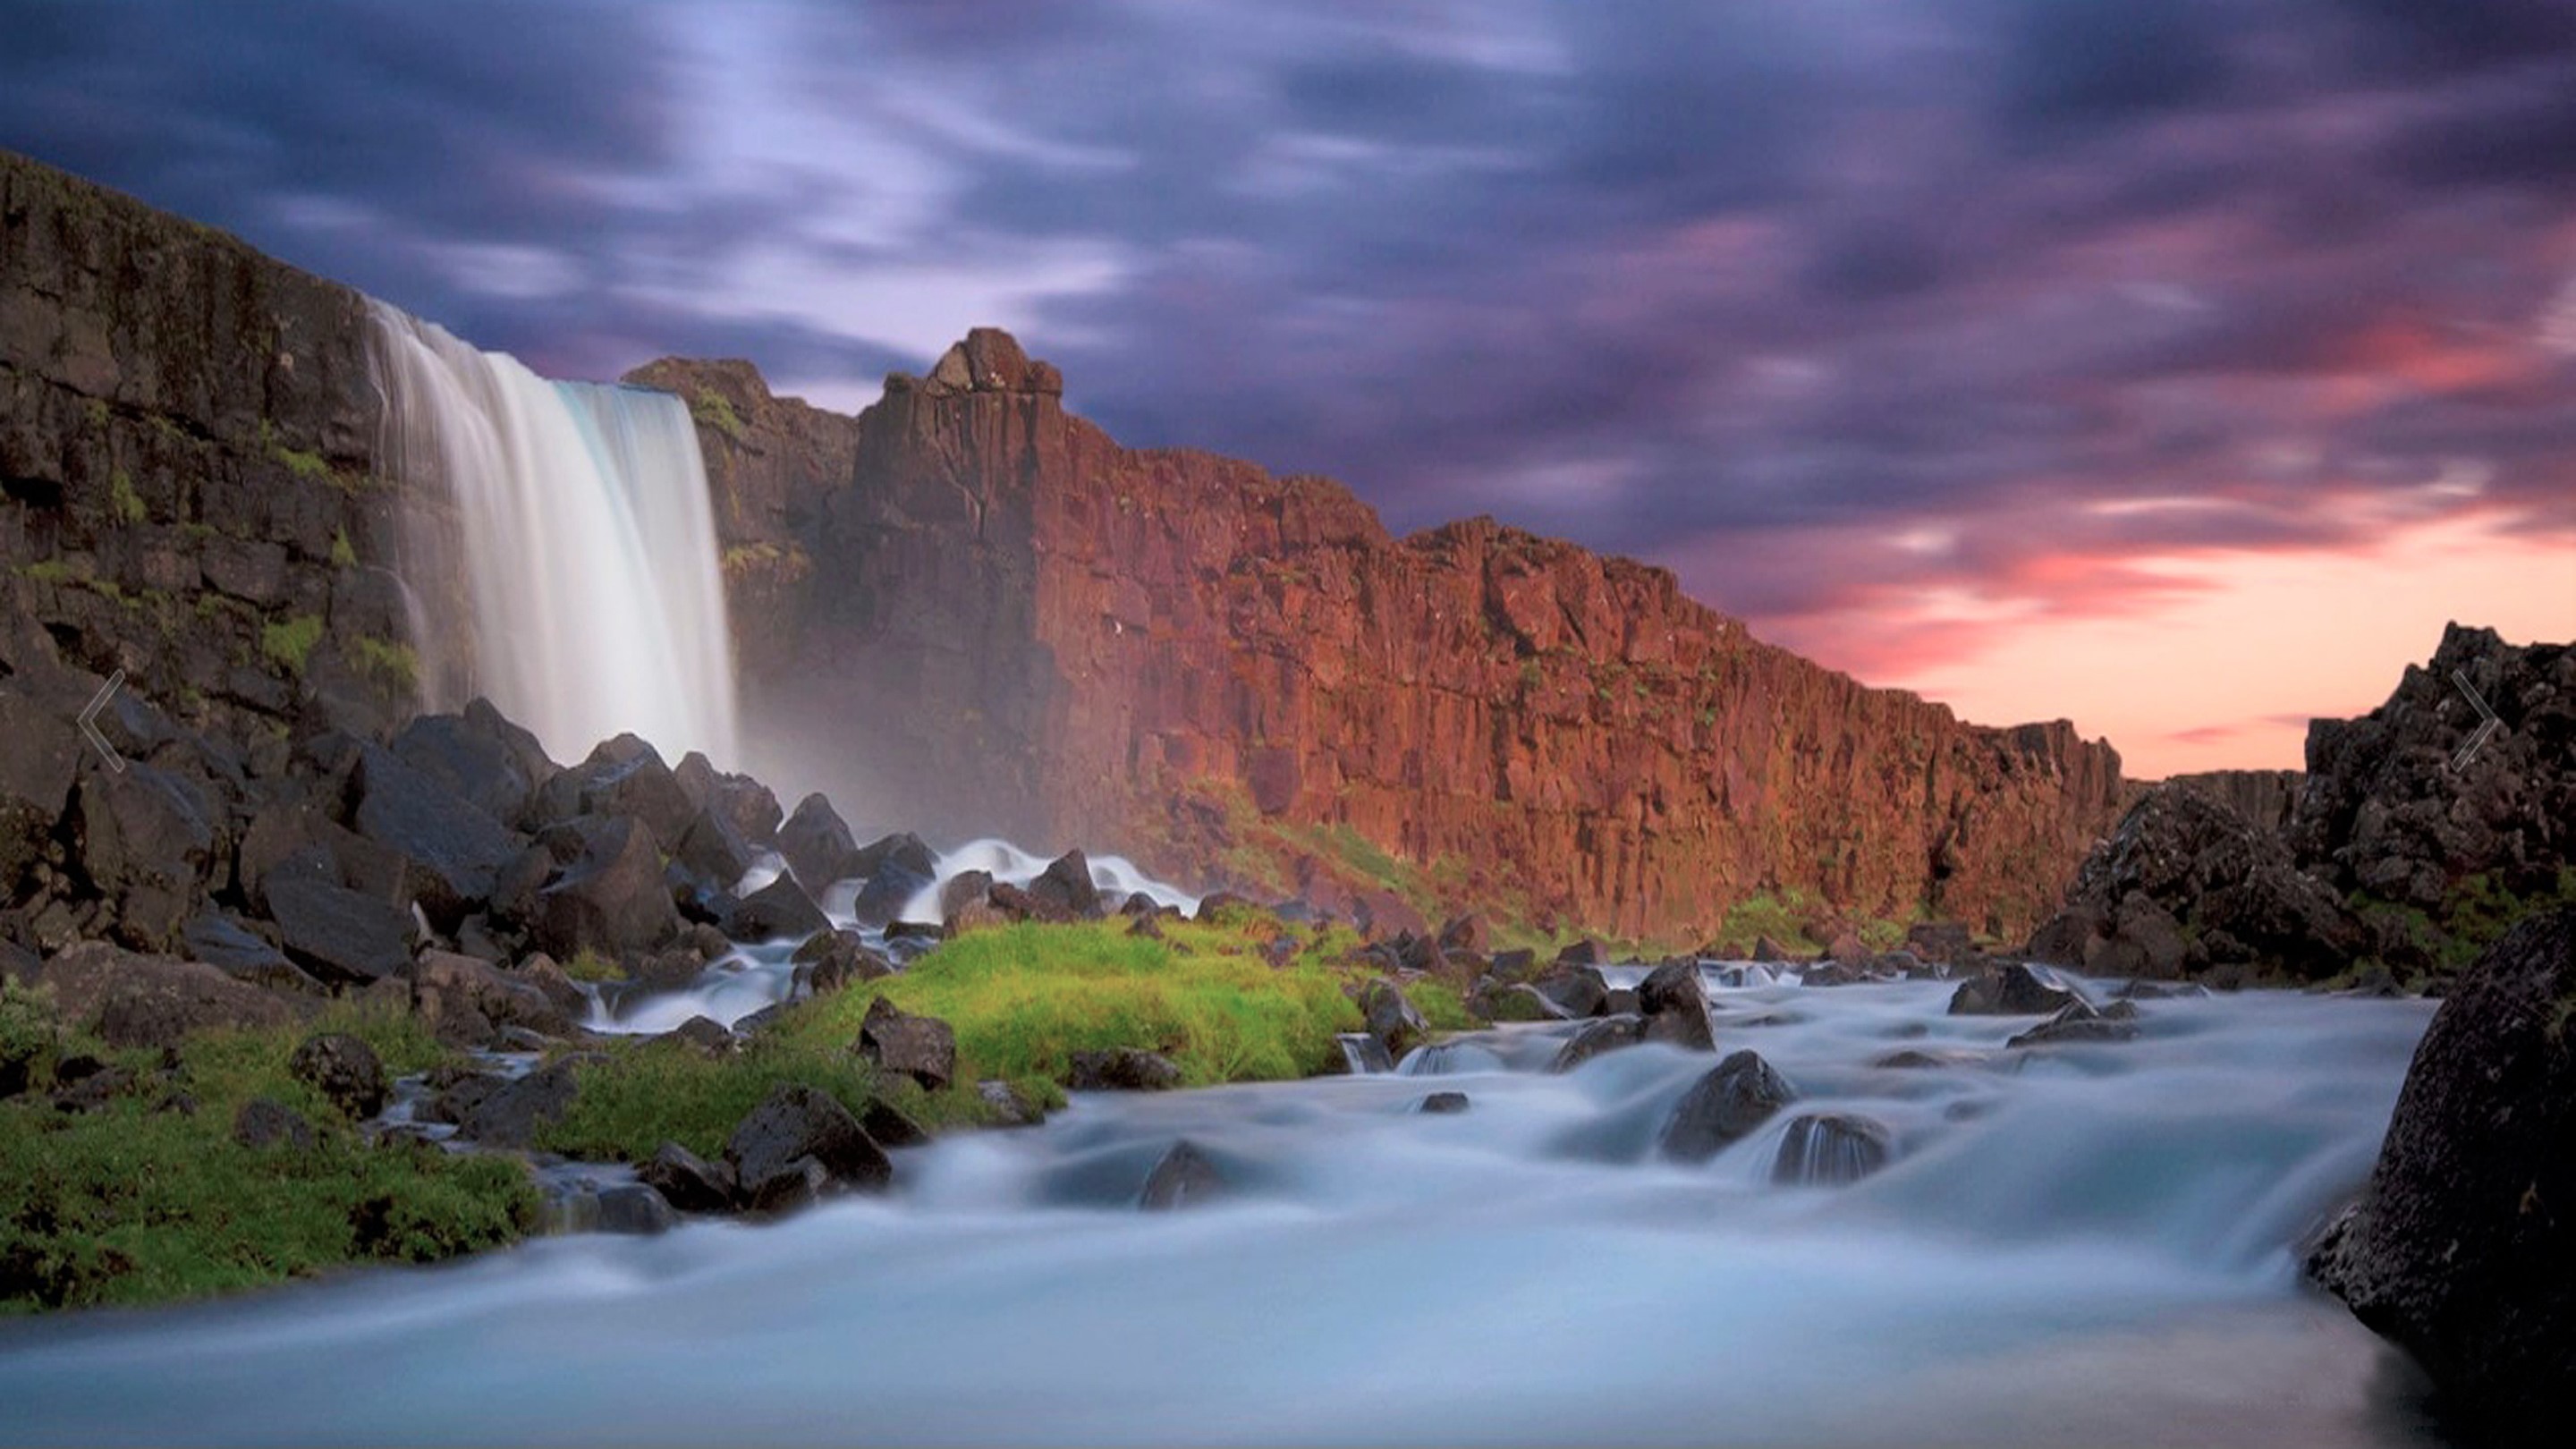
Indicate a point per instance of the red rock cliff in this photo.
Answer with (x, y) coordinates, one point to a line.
(1014, 624)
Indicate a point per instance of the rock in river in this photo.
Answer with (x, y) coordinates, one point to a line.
(1736, 1096)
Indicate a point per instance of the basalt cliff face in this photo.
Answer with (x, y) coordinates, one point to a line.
(1003, 620)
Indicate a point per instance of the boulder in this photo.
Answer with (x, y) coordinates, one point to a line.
(1122, 1069)
(1767, 951)
(818, 846)
(2010, 990)
(1466, 932)
(800, 1124)
(624, 776)
(789, 1187)
(467, 1002)
(477, 757)
(704, 1035)
(611, 898)
(713, 852)
(1947, 942)
(1499, 1001)
(1823, 1149)
(343, 937)
(746, 806)
(2462, 1247)
(1183, 1178)
(1577, 991)
(2078, 1022)
(837, 960)
(344, 1069)
(891, 1126)
(687, 1181)
(1065, 887)
(1007, 1106)
(452, 851)
(133, 1000)
(1736, 1096)
(780, 909)
(40, 756)
(509, 1113)
(1610, 1033)
(902, 1044)
(1586, 952)
(264, 1122)
(1363, 1054)
(1391, 1018)
(229, 947)
(1443, 1104)
(1674, 1001)
(145, 839)
(635, 1210)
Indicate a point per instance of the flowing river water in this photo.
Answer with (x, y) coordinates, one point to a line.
(2090, 1244)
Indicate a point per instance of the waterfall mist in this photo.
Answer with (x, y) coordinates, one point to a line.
(558, 545)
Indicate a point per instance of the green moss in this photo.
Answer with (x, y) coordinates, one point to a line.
(1440, 1005)
(393, 666)
(594, 967)
(711, 409)
(289, 643)
(123, 503)
(51, 571)
(343, 556)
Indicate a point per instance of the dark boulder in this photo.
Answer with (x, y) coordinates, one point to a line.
(634, 1210)
(1736, 1096)
(2078, 1022)
(1065, 887)
(1946, 942)
(264, 1122)
(1609, 1034)
(891, 1126)
(133, 1000)
(1577, 991)
(146, 839)
(451, 850)
(1390, 1017)
(789, 1187)
(611, 898)
(1674, 1001)
(229, 947)
(797, 1124)
(745, 805)
(902, 1044)
(343, 937)
(780, 909)
(344, 1069)
(1443, 1104)
(478, 757)
(1586, 952)
(1502, 1001)
(817, 845)
(704, 1035)
(509, 1114)
(1182, 1178)
(2462, 1248)
(713, 852)
(1822, 1149)
(1122, 1069)
(469, 1003)
(624, 776)
(687, 1181)
(2010, 990)
(836, 960)
(40, 756)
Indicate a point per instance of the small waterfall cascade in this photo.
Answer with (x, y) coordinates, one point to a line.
(559, 547)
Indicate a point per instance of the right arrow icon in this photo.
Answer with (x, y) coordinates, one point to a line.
(2487, 726)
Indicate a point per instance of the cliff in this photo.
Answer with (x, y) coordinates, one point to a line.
(186, 484)
(1013, 623)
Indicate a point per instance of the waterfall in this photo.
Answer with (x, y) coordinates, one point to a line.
(558, 545)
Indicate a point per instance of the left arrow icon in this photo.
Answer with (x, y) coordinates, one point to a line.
(89, 721)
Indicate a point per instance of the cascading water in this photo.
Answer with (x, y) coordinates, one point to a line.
(576, 517)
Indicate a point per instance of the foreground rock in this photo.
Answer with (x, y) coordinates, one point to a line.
(1122, 1069)
(902, 1044)
(344, 1069)
(1737, 1095)
(2462, 1248)
(1827, 1149)
(1183, 1178)
(2011, 990)
(798, 1145)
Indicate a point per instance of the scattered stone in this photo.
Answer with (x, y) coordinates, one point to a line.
(1122, 1069)
(799, 1124)
(1442, 1104)
(1066, 887)
(1576, 991)
(345, 1070)
(1736, 1096)
(341, 936)
(2009, 990)
(788, 1187)
(509, 1114)
(1610, 1033)
(469, 1002)
(1674, 1001)
(704, 1035)
(1391, 1018)
(780, 909)
(900, 1043)
(1822, 1149)
(2077, 1022)
(1009, 1106)
(264, 1122)
(1183, 1178)
(817, 844)
(635, 1210)
(687, 1181)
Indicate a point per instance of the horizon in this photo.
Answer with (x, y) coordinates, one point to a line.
(2105, 364)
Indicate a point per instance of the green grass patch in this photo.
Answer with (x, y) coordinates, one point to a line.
(289, 643)
(343, 554)
(649, 1092)
(123, 503)
(593, 967)
(710, 408)
(1441, 1005)
(391, 665)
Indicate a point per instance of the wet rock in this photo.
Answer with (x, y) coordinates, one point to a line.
(635, 1210)
(1768, 951)
(2462, 1248)
(467, 1002)
(1674, 1001)
(264, 1122)
(1577, 991)
(1390, 1017)
(1822, 1149)
(2009, 990)
(1610, 1033)
(344, 1069)
(2077, 1022)
(611, 898)
(837, 960)
(1736, 1096)
(891, 1126)
(780, 909)
(1919, 1059)
(713, 852)
(818, 846)
(704, 1035)
(1183, 1178)
(1363, 1054)
(509, 1114)
(1008, 1105)
(745, 805)
(789, 1187)
(1498, 1001)
(451, 851)
(1122, 1069)
(1586, 952)
(896, 869)
(1066, 886)
(477, 757)
(229, 947)
(902, 1044)
(799, 1124)
(1443, 1104)
(687, 1181)
(134, 1000)
(145, 839)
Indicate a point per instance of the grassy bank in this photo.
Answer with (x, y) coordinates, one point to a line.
(148, 1198)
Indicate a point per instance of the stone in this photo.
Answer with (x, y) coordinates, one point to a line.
(1828, 1149)
(818, 846)
(143, 1001)
(1947, 942)
(2462, 1247)
(229, 947)
(2009, 990)
(451, 850)
(477, 757)
(690, 1183)
(804, 1124)
(1443, 1104)
(1007, 1106)
(2077, 1022)
(746, 807)
(788, 1187)
(891, 1126)
(713, 851)
(146, 839)
(344, 1069)
(1674, 1001)
(1066, 886)
(837, 960)
(704, 1035)
(264, 1122)
(778, 910)
(1767, 951)
(1184, 1177)
(343, 937)
(900, 1043)
(611, 898)
(1608, 1034)
(635, 1210)
(468, 1002)
(1390, 1017)
(509, 1114)
(1577, 991)
(1726, 1104)
(1122, 1069)
(1498, 1001)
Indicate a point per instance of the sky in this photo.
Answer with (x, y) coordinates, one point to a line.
(2174, 366)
